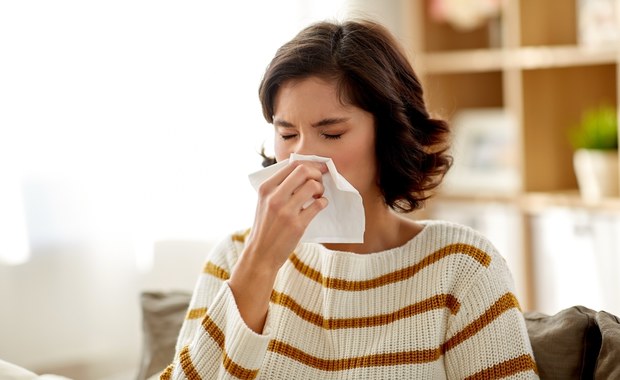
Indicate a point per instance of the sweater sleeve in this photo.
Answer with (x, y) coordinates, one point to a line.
(215, 342)
(487, 338)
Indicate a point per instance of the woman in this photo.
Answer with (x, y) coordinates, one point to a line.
(414, 300)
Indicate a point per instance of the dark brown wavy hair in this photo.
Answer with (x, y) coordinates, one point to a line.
(371, 72)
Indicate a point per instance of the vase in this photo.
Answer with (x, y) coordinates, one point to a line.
(597, 173)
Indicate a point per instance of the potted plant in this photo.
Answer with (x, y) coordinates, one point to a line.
(595, 140)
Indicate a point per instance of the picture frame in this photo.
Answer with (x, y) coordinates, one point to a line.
(598, 23)
(484, 149)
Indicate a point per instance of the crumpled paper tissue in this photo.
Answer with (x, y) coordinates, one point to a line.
(343, 220)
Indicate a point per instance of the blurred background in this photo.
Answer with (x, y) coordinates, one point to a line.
(128, 128)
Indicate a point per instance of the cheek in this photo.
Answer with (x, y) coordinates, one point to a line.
(358, 166)
(281, 152)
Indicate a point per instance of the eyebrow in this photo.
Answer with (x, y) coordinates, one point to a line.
(321, 123)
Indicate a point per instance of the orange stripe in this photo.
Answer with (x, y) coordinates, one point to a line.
(241, 237)
(392, 277)
(388, 359)
(509, 367)
(504, 303)
(196, 313)
(167, 373)
(214, 331)
(215, 271)
(237, 371)
(432, 303)
(187, 365)
(218, 336)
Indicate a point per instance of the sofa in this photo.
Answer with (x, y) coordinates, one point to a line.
(576, 343)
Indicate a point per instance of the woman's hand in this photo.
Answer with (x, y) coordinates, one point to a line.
(279, 224)
(281, 218)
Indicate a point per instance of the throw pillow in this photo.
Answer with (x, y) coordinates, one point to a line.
(162, 316)
(566, 344)
(608, 364)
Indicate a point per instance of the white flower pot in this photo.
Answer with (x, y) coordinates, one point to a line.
(597, 173)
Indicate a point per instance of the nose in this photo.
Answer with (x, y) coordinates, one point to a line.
(304, 146)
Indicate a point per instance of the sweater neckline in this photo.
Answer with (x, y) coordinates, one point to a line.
(427, 227)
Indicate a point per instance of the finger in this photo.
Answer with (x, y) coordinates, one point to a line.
(302, 173)
(311, 211)
(309, 191)
(281, 175)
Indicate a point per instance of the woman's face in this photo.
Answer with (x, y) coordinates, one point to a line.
(310, 119)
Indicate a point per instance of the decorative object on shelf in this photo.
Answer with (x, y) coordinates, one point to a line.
(465, 14)
(485, 153)
(598, 22)
(595, 141)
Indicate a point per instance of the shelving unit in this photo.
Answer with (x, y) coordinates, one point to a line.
(528, 62)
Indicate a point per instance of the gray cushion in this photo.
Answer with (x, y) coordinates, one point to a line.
(608, 363)
(162, 316)
(565, 344)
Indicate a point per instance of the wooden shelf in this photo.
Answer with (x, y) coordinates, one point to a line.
(539, 57)
(463, 61)
(543, 57)
(477, 198)
(536, 202)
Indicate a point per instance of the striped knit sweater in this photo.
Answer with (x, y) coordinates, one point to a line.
(440, 306)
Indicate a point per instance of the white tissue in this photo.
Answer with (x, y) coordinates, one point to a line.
(343, 220)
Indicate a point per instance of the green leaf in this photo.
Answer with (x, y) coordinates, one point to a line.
(598, 129)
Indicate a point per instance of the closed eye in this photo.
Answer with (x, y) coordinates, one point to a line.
(331, 136)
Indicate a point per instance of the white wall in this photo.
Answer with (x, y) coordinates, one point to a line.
(78, 304)
(66, 306)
